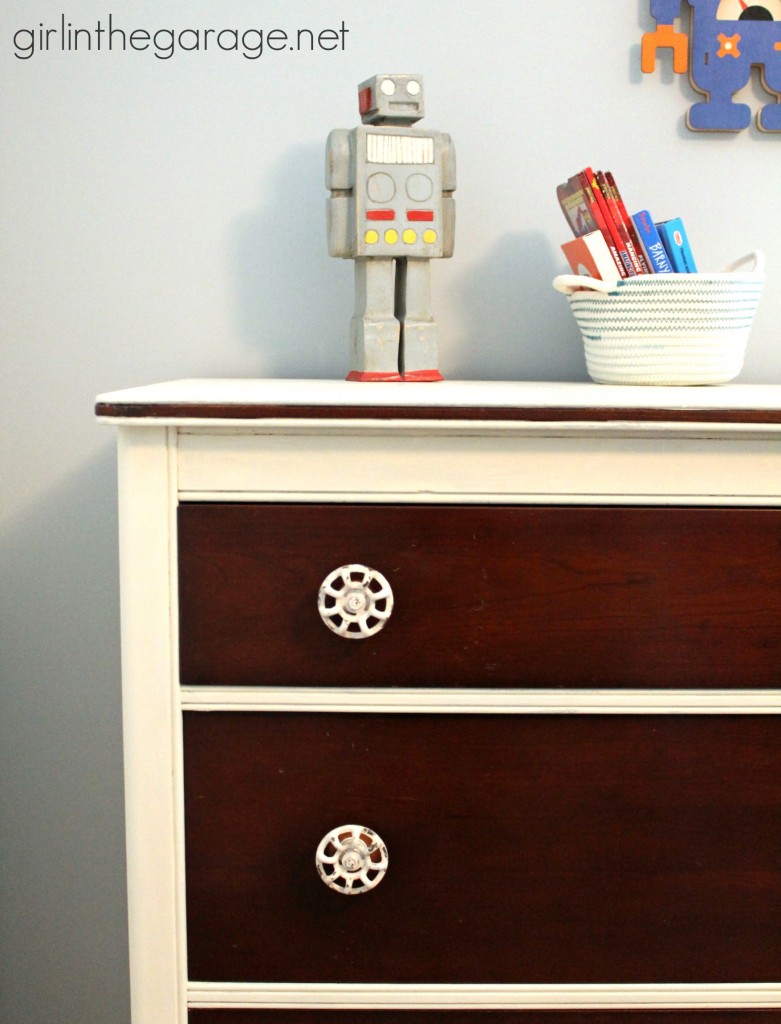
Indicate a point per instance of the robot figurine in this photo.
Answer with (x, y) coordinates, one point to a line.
(728, 38)
(391, 210)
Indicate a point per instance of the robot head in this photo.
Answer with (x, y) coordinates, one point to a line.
(391, 99)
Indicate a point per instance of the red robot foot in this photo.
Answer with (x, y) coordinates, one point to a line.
(363, 375)
(422, 375)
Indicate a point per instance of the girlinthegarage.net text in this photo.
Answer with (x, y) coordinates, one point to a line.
(108, 35)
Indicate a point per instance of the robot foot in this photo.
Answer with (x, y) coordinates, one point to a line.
(719, 116)
(374, 348)
(366, 376)
(421, 375)
(414, 376)
(419, 350)
(769, 118)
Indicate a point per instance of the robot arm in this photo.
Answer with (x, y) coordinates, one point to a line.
(665, 12)
(339, 179)
(448, 188)
(338, 162)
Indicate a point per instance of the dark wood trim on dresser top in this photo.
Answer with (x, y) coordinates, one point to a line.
(485, 1017)
(528, 414)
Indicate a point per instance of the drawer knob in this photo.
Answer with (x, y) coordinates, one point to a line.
(355, 601)
(351, 859)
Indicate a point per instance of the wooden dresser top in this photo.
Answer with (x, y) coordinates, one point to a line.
(248, 400)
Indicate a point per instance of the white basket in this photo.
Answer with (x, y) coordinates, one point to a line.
(666, 328)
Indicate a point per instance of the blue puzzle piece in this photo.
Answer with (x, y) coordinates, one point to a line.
(727, 38)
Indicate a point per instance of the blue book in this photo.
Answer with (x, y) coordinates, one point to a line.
(673, 234)
(655, 252)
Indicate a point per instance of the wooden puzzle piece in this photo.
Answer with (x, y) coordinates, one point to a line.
(727, 38)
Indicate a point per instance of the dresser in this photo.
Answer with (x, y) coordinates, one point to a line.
(451, 703)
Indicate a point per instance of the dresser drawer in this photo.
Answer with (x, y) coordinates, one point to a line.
(541, 848)
(501, 596)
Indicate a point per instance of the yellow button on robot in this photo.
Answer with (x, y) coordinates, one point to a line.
(391, 236)
(371, 237)
(410, 236)
(429, 235)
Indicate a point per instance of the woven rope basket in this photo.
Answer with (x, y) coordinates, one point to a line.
(666, 328)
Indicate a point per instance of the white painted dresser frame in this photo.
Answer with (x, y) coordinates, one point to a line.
(725, 450)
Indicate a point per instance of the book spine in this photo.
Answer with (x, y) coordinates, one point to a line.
(615, 232)
(603, 222)
(599, 219)
(622, 234)
(634, 241)
(652, 243)
(676, 242)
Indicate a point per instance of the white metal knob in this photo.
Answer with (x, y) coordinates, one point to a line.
(351, 859)
(355, 601)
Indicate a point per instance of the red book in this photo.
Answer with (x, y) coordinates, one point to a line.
(583, 215)
(612, 227)
(591, 256)
(629, 223)
(575, 208)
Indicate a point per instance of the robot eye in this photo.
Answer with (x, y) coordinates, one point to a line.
(413, 88)
(387, 87)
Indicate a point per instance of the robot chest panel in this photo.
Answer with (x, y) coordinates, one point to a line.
(398, 196)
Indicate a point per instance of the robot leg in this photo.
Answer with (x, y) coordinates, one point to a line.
(418, 329)
(374, 330)
(769, 117)
(719, 77)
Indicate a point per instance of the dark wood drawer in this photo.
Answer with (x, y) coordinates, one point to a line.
(485, 596)
(545, 849)
(484, 1017)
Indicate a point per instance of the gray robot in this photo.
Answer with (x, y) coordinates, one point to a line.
(392, 211)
